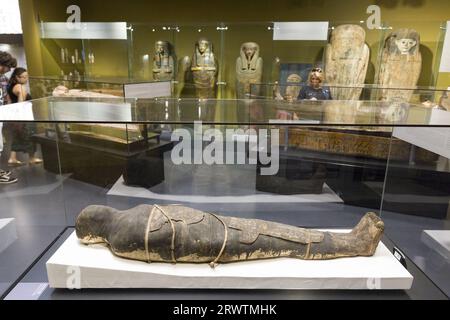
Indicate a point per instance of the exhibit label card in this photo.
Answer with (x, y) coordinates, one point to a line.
(22, 111)
(445, 59)
(87, 30)
(301, 31)
(80, 111)
(148, 90)
(10, 20)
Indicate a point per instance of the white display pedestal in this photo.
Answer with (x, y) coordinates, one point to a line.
(121, 189)
(438, 240)
(75, 265)
(148, 90)
(8, 233)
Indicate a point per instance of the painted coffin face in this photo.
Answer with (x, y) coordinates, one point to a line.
(160, 48)
(294, 78)
(249, 52)
(203, 46)
(405, 45)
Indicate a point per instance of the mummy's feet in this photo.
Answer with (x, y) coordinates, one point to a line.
(368, 234)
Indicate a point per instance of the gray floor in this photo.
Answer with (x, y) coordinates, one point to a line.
(406, 232)
(37, 203)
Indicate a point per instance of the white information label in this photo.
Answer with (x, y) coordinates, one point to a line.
(445, 58)
(148, 90)
(10, 20)
(301, 31)
(22, 111)
(87, 30)
(80, 111)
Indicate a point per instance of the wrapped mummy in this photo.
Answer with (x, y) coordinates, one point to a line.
(177, 234)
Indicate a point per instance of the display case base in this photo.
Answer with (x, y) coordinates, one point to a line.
(96, 164)
(77, 266)
(438, 240)
(294, 177)
(121, 189)
(8, 233)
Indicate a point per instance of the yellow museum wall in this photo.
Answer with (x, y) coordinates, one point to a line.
(39, 61)
(444, 80)
(425, 16)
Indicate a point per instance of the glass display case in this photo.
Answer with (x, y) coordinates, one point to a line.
(324, 168)
(429, 97)
(149, 52)
(277, 49)
(281, 49)
(279, 52)
(84, 87)
(85, 49)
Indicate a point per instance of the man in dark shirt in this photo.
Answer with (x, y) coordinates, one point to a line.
(7, 62)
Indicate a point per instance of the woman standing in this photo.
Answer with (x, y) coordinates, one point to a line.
(314, 90)
(22, 133)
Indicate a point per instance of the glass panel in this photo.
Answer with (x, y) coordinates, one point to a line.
(417, 197)
(149, 61)
(308, 163)
(48, 86)
(74, 56)
(315, 177)
(442, 51)
(263, 112)
(296, 57)
(29, 222)
(93, 158)
(62, 57)
(427, 96)
(104, 64)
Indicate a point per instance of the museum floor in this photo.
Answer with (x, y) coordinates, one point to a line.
(41, 215)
